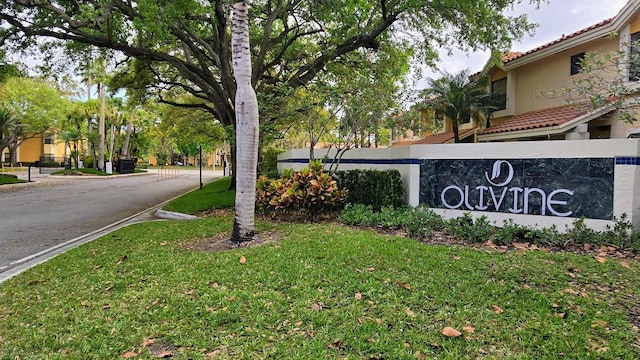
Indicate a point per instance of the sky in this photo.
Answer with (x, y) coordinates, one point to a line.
(554, 19)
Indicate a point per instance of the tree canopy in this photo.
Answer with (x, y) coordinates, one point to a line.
(186, 44)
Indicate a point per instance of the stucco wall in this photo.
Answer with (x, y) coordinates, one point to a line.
(407, 160)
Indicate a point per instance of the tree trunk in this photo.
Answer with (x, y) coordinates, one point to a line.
(101, 127)
(247, 123)
(125, 146)
(456, 132)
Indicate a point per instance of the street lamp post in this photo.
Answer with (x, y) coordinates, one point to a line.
(200, 162)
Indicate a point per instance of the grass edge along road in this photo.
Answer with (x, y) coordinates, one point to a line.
(317, 291)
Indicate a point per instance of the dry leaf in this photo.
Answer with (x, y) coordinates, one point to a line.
(336, 344)
(560, 315)
(163, 243)
(243, 260)
(405, 286)
(148, 342)
(497, 310)
(450, 332)
(410, 312)
(165, 354)
(316, 307)
(526, 286)
(122, 259)
(600, 259)
(469, 329)
(586, 247)
(106, 306)
(571, 291)
(85, 304)
(371, 269)
(358, 296)
(408, 261)
(521, 246)
(130, 354)
(419, 355)
(625, 264)
(490, 244)
(571, 275)
(455, 257)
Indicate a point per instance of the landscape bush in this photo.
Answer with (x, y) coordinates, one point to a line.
(420, 223)
(269, 163)
(377, 188)
(305, 193)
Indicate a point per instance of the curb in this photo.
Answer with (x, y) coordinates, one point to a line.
(170, 215)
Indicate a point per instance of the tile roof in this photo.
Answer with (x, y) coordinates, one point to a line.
(514, 55)
(442, 138)
(536, 119)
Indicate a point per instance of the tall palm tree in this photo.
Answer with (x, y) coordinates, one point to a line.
(459, 97)
(246, 104)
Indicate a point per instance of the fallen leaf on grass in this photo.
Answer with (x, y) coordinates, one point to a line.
(571, 291)
(358, 296)
(560, 315)
(406, 286)
(409, 312)
(243, 260)
(371, 269)
(163, 243)
(450, 332)
(469, 329)
(419, 355)
(625, 264)
(497, 309)
(130, 354)
(316, 307)
(164, 354)
(455, 257)
(336, 344)
(122, 259)
(600, 259)
(148, 342)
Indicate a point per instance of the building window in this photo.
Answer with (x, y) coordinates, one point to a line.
(48, 140)
(499, 93)
(634, 57)
(576, 63)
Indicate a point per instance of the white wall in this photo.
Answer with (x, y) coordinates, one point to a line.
(406, 160)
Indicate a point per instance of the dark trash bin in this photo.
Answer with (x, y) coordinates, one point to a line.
(126, 166)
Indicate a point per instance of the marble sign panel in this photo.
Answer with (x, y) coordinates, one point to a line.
(575, 187)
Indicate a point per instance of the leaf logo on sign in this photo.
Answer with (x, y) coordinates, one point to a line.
(497, 174)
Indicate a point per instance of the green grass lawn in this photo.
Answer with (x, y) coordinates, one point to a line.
(321, 292)
(213, 195)
(6, 180)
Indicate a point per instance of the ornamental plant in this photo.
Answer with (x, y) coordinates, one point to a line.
(307, 193)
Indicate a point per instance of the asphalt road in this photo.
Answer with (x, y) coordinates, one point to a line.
(55, 210)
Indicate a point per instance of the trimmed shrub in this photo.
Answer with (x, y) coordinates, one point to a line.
(377, 188)
(269, 164)
(308, 192)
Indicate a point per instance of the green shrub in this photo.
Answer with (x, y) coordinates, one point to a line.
(373, 187)
(466, 229)
(307, 192)
(269, 164)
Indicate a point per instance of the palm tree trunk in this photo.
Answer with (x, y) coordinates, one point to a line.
(247, 123)
(101, 127)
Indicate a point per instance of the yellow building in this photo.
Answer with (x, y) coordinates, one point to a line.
(43, 148)
(524, 79)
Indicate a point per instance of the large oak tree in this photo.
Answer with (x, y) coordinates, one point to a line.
(186, 43)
